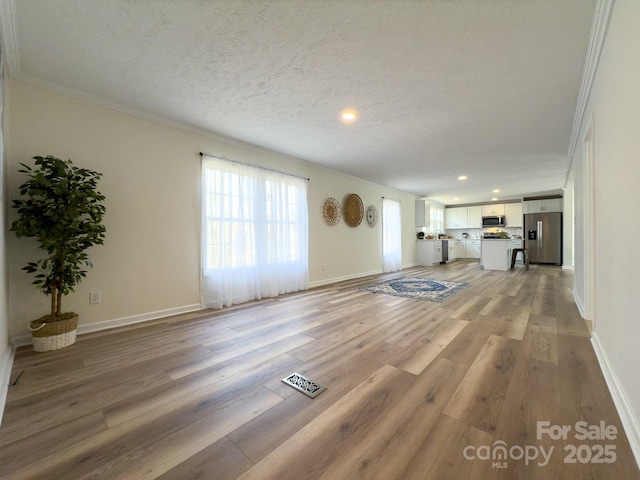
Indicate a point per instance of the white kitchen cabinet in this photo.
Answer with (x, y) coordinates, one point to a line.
(472, 248)
(424, 251)
(429, 252)
(513, 212)
(437, 251)
(542, 206)
(474, 217)
(422, 213)
(455, 217)
(552, 205)
(461, 250)
(450, 218)
(453, 249)
(493, 209)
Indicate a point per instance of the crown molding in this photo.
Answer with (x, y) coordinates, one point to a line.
(596, 42)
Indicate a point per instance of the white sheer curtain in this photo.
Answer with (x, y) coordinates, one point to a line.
(391, 235)
(254, 233)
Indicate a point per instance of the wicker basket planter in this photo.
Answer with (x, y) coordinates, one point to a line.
(53, 335)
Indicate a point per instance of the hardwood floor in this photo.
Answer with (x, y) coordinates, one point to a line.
(415, 390)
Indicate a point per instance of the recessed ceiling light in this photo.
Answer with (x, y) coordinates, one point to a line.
(497, 190)
(462, 177)
(456, 198)
(349, 116)
(494, 199)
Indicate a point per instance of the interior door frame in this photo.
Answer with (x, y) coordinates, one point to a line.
(590, 238)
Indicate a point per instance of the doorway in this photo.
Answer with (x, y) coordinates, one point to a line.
(589, 197)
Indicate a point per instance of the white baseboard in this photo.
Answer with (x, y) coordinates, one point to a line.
(5, 377)
(25, 338)
(329, 281)
(630, 422)
(580, 305)
(567, 267)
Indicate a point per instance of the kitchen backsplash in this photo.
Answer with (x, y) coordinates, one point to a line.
(479, 232)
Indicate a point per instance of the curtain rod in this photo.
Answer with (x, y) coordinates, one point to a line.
(202, 154)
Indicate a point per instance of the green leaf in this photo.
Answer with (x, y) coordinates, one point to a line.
(63, 211)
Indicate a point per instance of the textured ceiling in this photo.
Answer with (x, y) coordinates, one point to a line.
(485, 88)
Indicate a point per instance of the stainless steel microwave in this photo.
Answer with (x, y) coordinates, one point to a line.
(494, 221)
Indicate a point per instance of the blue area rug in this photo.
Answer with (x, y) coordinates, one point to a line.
(419, 288)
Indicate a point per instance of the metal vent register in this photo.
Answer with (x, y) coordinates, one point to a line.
(304, 385)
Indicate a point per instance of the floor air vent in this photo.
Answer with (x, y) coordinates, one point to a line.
(303, 384)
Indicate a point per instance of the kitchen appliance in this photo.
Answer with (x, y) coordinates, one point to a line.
(445, 251)
(494, 221)
(500, 235)
(543, 237)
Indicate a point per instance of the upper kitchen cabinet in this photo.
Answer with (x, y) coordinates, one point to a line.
(513, 211)
(474, 217)
(422, 213)
(492, 210)
(455, 217)
(463, 217)
(542, 206)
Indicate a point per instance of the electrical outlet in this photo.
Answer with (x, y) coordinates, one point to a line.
(95, 297)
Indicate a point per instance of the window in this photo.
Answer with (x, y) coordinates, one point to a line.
(254, 233)
(391, 235)
(436, 222)
(229, 221)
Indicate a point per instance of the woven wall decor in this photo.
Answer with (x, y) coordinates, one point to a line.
(372, 215)
(331, 211)
(352, 210)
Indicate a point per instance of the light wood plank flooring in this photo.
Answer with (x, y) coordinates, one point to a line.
(416, 390)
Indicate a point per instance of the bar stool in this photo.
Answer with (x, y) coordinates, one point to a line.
(525, 257)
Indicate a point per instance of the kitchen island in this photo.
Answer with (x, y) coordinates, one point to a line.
(495, 254)
(429, 252)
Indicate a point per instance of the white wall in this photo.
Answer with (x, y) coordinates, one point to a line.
(149, 265)
(6, 351)
(344, 251)
(614, 111)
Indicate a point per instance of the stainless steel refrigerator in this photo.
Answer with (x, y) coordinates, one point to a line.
(543, 237)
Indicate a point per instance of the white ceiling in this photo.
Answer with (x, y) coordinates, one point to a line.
(484, 88)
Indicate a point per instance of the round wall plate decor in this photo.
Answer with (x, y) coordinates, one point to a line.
(372, 215)
(352, 210)
(331, 211)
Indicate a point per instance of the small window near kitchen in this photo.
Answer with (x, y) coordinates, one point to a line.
(436, 222)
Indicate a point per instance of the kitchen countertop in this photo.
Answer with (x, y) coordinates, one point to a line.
(474, 239)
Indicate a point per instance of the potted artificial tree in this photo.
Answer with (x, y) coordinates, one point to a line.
(63, 211)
